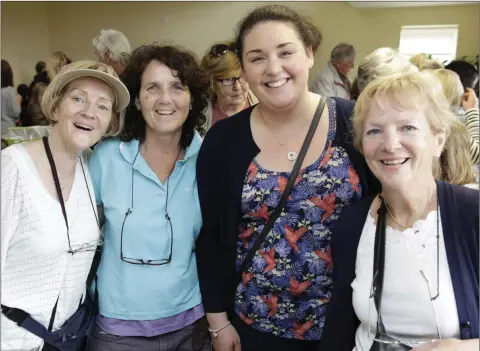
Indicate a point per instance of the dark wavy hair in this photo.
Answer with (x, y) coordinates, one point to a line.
(190, 74)
(308, 32)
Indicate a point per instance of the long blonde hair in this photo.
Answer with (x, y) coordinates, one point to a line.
(422, 61)
(55, 63)
(452, 87)
(456, 165)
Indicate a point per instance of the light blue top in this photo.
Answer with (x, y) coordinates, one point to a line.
(138, 292)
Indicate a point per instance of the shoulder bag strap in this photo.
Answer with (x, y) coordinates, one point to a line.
(56, 181)
(291, 181)
(64, 211)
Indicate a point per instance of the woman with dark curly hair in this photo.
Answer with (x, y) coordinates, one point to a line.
(145, 185)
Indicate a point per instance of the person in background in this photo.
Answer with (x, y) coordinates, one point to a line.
(146, 186)
(46, 255)
(427, 295)
(423, 61)
(464, 105)
(36, 115)
(24, 92)
(355, 91)
(113, 48)
(467, 72)
(229, 92)
(11, 101)
(41, 75)
(332, 80)
(278, 302)
(382, 62)
(455, 163)
(55, 63)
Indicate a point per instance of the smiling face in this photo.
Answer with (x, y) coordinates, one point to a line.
(276, 64)
(399, 145)
(163, 100)
(84, 112)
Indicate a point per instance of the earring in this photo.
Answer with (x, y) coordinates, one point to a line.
(137, 104)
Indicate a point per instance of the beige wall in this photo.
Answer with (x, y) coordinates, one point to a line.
(25, 37)
(70, 26)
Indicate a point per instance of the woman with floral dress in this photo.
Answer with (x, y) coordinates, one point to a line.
(242, 170)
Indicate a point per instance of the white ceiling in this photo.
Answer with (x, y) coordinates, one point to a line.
(391, 4)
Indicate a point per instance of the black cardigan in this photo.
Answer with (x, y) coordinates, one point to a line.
(223, 160)
(459, 214)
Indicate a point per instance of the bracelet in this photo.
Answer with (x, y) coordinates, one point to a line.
(214, 332)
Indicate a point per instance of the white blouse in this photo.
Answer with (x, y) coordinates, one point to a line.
(36, 268)
(407, 311)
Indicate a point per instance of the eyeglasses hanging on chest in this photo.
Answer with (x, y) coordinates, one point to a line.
(143, 261)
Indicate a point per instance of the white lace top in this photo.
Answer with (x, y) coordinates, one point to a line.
(35, 265)
(407, 311)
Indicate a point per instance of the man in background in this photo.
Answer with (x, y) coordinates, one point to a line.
(332, 81)
(112, 48)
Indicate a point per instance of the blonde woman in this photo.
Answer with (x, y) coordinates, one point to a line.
(423, 233)
(423, 61)
(229, 92)
(380, 63)
(460, 100)
(456, 165)
(49, 225)
(56, 62)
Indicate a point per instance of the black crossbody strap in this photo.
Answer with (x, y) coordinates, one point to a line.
(378, 276)
(48, 151)
(379, 262)
(56, 181)
(291, 181)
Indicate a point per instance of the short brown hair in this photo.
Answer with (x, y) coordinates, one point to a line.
(7, 74)
(308, 32)
(55, 92)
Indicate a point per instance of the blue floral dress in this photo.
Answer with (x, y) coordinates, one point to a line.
(287, 287)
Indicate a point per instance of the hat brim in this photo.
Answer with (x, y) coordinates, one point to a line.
(122, 96)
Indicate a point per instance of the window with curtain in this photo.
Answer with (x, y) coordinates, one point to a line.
(440, 41)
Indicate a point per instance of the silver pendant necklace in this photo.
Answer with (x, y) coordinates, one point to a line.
(292, 155)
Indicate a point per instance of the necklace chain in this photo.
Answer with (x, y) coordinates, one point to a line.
(424, 213)
(291, 155)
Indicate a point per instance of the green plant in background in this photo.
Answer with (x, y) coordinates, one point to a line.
(470, 59)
